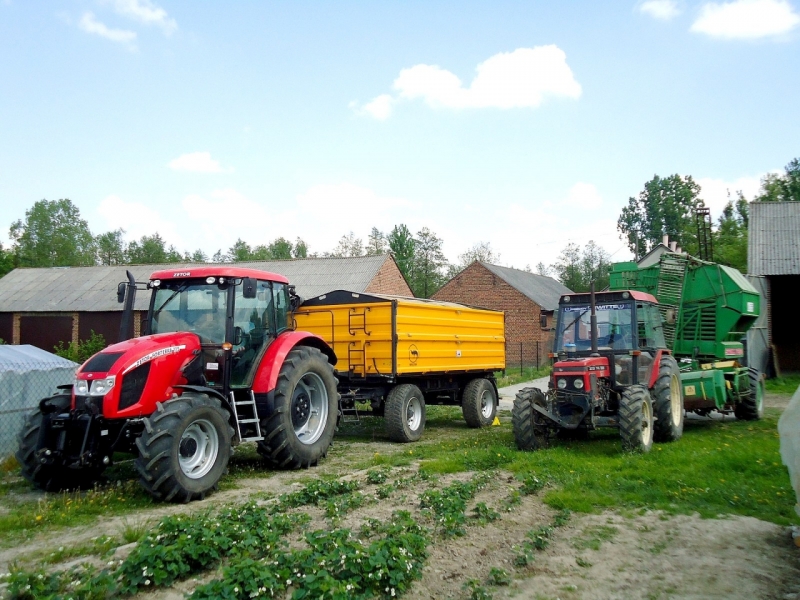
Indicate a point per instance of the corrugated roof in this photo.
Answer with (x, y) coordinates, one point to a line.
(543, 290)
(773, 245)
(94, 289)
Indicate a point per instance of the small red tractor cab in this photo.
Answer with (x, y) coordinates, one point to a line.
(218, 365)
(612, 369)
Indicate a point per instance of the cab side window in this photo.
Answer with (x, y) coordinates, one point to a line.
(280, 294)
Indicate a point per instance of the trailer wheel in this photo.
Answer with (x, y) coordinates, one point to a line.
(405, 413)
(50, 478)
(479, 403)
(668, 401)
(636, 419)
(184, 448)
(530, 427)
(300, 429)
(751, 407)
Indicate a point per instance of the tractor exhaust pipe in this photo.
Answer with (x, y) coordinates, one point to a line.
(593, 320)
(126, 292)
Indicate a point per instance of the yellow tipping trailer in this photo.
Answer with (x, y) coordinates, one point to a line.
(400, 353)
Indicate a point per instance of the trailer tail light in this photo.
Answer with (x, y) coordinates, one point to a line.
(133, 385)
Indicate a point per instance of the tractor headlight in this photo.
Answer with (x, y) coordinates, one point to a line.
(100, 387)
(562, 384)
(81, 387)
(578, 384)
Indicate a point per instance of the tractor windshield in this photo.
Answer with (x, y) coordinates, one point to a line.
(614, 327)
(191, 306)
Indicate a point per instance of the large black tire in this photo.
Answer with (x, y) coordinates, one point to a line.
(479, 403)
(636, 419)
(530, 429)
(751, 407)
(300, 429)
(405, 413)
(185, 448)
(50, 478)
(668, 401)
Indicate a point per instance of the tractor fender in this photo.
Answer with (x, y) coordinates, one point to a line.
(201, 389)
(267, 372)
(654, 371)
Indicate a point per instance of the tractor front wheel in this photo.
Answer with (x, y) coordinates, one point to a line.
(479, 403)
(636, 419)
(751, 407)
(405, 413)
(50, 477)
(530, 428)
(668, 401)
(185, 448)
(300, 429)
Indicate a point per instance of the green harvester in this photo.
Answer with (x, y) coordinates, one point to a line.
(706, 309)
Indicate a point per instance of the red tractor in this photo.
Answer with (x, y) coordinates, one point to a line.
(219, 364)
(613, 369)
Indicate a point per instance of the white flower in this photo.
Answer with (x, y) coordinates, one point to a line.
(288, 582)
(147, 582)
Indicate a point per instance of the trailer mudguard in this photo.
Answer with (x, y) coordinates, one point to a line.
(267, 373)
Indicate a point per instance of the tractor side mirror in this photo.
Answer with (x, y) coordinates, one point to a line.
(248, 287)
(670, 316)
(121, 292)
(543, 321)
(238, 334)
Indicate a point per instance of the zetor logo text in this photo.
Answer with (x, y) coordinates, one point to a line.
(182, 274)
(153, 355)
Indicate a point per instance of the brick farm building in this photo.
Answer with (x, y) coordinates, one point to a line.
(525, 297)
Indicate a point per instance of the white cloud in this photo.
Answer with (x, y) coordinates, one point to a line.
(519, 79)
(146, 12)
(660, 9)
(89, 24)
(583, 196)
(197, 162)
(137, 220)
(746, 19)
(715, 192)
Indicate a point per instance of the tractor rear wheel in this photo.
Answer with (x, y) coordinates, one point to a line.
(479, 403)
(405, 413)
(751, 407)
(530, 428)
(300, 429)
(184, 448)
(50, 478)
(636, 419)
(668, 401)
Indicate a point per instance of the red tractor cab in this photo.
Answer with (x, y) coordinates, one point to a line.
(218, 364)
(611, 369)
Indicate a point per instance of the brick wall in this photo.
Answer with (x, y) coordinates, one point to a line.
(389, 280)
(477, 286)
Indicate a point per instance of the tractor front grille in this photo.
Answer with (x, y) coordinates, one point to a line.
(133, 385)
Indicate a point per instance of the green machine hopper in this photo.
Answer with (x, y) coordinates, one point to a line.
(706, 310)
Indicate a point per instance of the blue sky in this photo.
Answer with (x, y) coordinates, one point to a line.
(523, 124)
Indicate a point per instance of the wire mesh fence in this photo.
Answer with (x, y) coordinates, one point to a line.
(22, 385)
(520, 355)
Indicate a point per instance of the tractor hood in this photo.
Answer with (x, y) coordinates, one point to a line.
(127, 379)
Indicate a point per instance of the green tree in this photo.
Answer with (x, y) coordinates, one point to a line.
(376, 242)
(239, 252)
(300, 249)
(110, 247)
(568, 268)
(542, 269)
(280, 249)
(52, 235)
(151, 250)
(349, 245)
(666, 206)
(428, 271)
(576, 268)
(6, 260)
(730, 237)
(595, 265)
(197, 256)
(781, 188)
(401, 245)
(481, 252)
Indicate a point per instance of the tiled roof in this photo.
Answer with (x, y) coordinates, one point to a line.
(66, 289)
(544, 291)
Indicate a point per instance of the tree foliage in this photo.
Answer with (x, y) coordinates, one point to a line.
(481, 252)
(402, 246)
(376, 242)
(110, 247)
(730, 238)
(781, 188)
(576, 268)
(666, 206)
(428, 270)
(6, 260)
(151, 249)
(52, 235)
(83, 350)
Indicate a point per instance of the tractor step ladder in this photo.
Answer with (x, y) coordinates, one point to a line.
(349, 415)
(250, 421)
(672, 273)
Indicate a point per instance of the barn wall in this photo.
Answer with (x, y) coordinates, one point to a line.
(45, 332)
(7, 327)
(389, 280)
(104, 323)
(525, 338)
